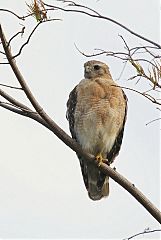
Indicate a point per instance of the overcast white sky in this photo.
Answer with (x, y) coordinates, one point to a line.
(42, 194)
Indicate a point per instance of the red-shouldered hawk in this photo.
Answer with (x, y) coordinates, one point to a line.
(96, 111)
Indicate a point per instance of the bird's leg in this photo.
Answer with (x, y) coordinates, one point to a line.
(99, 158)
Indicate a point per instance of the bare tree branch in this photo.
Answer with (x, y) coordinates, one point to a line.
(29, 37)
(13, 13)
(2, 53)
(154, 120)
(59, 132)
(146, 231)
(95, 14)
(144, 94)
(42, 117)
(8, 86)
(25, 113)
(152, 74)
(5, 63)
(15, 35)
(13, 101)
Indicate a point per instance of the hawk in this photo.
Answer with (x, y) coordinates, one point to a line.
(96, 111)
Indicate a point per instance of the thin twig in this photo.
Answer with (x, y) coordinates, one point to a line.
(142, 233)
(9, 11)
(19, 108)
(103, 52)
(122, 71)
(13, 100)
(154, 120)
(29, 37)
(2, 53)
(15, 35)
(149, 97)
(5, 63)
(8, 86)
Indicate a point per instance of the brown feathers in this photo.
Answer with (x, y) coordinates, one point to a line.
(96, 112)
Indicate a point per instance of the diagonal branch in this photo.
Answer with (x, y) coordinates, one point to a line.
(136, 193)
(13, 101)
(144, 94)
(42, 117)
(9, 86)
(25, 113)
(95, 14)
(11, 12)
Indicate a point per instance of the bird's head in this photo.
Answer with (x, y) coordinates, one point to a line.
(94, 69)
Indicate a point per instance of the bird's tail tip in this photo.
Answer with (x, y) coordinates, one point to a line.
(96, 194)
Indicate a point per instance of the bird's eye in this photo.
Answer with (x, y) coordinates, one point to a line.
(96, 67)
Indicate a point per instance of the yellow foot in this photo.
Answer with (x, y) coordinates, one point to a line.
(99, 158)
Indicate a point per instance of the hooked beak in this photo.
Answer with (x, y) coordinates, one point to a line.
(87, 72)
(87, 69)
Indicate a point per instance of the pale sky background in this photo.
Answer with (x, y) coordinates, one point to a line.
(42, 194)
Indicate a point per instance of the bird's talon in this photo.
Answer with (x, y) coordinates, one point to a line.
(99, 158)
